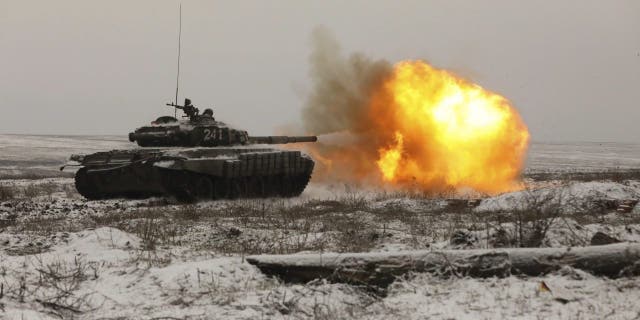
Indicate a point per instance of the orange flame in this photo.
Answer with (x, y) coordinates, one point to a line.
(427, 128)
(390, 159)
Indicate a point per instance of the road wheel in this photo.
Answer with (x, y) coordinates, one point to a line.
(234, 186)
(255, 187)
(178, 184)
(220, 188)
(202, 187)
(300, 183)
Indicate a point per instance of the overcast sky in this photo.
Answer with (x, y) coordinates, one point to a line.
(572, 68)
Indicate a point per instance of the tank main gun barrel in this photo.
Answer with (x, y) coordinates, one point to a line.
(282, 139)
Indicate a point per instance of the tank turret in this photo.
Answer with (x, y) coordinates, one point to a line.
(200, 130)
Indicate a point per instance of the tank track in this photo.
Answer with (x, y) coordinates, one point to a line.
(191, 187)
(85, 186)
(88, 186)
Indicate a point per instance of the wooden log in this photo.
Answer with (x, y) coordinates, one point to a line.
(381, 269)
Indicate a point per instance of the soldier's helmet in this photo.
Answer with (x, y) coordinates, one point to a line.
(208, 112)
(187, 102)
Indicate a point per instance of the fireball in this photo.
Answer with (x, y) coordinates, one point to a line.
(446, 132)
(419, 127)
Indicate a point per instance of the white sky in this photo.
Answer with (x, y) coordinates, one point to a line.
(572, 68)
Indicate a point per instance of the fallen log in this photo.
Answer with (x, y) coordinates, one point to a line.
(381, 269)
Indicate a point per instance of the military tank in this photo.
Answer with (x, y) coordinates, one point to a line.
(193, 159)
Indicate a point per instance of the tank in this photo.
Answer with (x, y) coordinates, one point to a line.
(195, 159)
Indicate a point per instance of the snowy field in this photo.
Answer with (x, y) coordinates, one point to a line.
(583, 156)
(37, 156)
(64, 257)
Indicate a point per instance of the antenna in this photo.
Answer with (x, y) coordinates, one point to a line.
(175, 111)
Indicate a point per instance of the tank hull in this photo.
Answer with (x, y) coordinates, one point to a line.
(191, 174)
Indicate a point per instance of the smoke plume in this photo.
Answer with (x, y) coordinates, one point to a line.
(336, 107)
(409, 125)
(342, 86)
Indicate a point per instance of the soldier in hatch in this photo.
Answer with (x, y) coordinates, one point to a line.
(189, 109)
(208, 113)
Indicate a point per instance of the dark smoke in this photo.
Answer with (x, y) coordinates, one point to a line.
(342, 86)
(338, 110)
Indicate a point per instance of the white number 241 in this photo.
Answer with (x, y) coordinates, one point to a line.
(211, 134)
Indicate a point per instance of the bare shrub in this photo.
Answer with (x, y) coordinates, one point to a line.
(532, 221)
(35, 174)
(149, 231)
(154, 229)
(281, 226)
(354, 201)
(188, 212)
(53, 285)
(49, 188)
(150, 258)
(35, 190)
(353, 234)
(31, 191)
(112, 219)
(63, 279)
(153, 225)
(7, 193)
(47, 226)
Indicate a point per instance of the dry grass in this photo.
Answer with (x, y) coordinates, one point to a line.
(280, 226)
(153, 226)
(351, 222)
(53, 285)
(35, 175)
(43, 189)
(11, 192)
(7, 193)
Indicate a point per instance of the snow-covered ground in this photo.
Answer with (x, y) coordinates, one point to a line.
(102, 274)
(64, 257)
